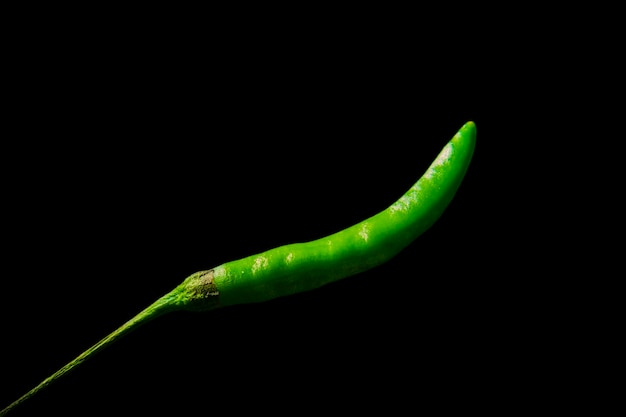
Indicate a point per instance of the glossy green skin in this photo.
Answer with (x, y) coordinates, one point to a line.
(300, 267)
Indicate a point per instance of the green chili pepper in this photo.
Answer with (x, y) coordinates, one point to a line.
(299, 267)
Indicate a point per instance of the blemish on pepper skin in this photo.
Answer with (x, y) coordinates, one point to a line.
(404, 202)
(444, 155)
(202, 285)
(259, 263)
(289, 257)
(208, 283)
(364, 232)
(441, 159)
(202, 292)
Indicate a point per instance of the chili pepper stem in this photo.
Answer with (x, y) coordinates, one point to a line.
(156, 309)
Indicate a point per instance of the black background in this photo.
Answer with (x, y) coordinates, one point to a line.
(138, 162)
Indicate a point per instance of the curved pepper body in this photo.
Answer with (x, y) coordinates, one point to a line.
(300, 267)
